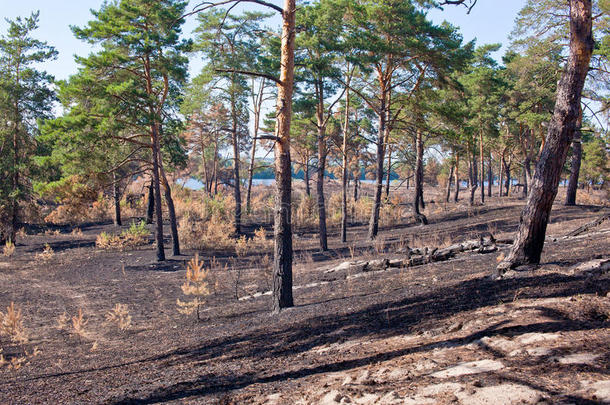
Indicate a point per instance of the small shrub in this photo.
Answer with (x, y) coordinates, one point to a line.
(136, 235)
(47, 253)
(11, 324)
(242, 246)
(120, 316)
(9, 248)
(79, 323)
(196, 284)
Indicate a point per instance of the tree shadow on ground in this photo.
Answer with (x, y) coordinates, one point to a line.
(285, 338)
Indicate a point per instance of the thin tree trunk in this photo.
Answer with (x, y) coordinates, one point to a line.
(344, 172)
(307, 187)
(419, 178)
(529, 242)
(116, 195)
(282, 258)
(507, 166)
(150, 211)
(236, 179)
(501, 175)
(388, 174)
(374, 221)
(473, 175)
(482, 168)
(527, 170)
(575, 163)
(457, 178)
(320, 184)
(490, 177)
(257, 102)
(449, 178)
(173, 223)
(157, 186)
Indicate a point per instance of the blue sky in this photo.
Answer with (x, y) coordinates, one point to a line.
(490, 21)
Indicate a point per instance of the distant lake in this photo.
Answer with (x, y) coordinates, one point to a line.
(195, 184)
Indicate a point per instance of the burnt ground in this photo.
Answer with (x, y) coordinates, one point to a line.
(438, 333)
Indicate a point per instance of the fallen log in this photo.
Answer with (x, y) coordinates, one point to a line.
(588, 226)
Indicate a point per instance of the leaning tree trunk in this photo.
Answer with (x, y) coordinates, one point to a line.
(282, 258)
(575, 164)
(116, 195)
(529, 242)
(150, 210)
(419, 178)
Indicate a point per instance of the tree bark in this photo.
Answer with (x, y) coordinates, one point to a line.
(575, 163)
(529, 242)
(236, 179)
(473, 177)
(449, 178)
(173, 223)
(150, 211)
(282, 258)
(116, 195)
(482, 168)
(307, 187)
(419, 178)
(507, 185)
(374, 221)
(320, 179)
(388, 174)
(344, 172)
(490, 177)
(457, 178)
(527, 175)
(157, 186)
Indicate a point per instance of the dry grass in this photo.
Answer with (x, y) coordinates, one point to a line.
(11, 324)
(119, 315)
(78, 325)
(46, 254)
(9, 249)
(136, 235)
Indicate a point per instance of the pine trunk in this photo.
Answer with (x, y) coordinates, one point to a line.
(419, 179)
(457, 178)
(575, 163)
(150, 211)
(529, 242)
(448, 191)
(116, 195)
(282, 258)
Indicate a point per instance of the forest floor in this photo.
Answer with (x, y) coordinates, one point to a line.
(438, 333)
